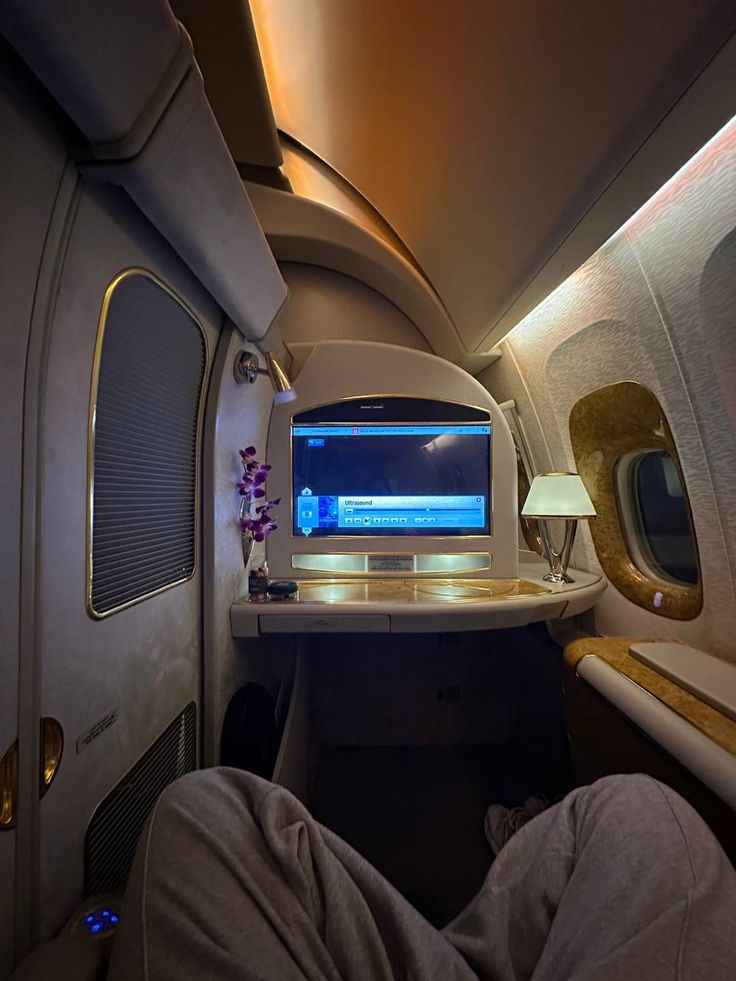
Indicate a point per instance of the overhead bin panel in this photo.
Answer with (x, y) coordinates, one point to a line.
(126, 76)
(227, 52)
(484, 132)
(102, 61)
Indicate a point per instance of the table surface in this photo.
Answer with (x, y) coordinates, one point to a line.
(418, 604)
(400, 591)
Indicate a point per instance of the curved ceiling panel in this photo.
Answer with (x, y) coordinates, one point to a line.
(482, 132)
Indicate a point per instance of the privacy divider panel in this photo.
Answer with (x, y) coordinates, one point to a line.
(146, 393)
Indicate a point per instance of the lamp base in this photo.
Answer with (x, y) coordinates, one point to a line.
(558, 561)
(557, 577)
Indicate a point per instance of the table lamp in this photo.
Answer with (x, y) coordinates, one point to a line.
(558, 495)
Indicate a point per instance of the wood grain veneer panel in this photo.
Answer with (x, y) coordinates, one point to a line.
(616, 652)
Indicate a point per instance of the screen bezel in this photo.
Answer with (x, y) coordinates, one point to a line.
(392, 410)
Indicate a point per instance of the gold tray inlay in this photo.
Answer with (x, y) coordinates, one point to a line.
(416, 591)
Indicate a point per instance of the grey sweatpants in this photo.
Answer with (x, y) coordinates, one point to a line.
(234, 879)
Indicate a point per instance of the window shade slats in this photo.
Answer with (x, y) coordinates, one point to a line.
(150, 378)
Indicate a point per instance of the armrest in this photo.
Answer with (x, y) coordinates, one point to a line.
(66, 958)
(705, 759)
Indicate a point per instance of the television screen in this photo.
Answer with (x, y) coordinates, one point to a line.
(388, 479)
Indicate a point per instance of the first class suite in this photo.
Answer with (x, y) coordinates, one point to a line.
(367, 576)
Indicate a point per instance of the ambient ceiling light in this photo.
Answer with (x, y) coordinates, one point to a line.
(247, 368)
(558, 496)
(560, 297)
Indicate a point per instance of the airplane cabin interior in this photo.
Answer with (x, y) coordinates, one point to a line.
(368, 385)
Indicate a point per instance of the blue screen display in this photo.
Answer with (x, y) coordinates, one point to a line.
(391, 479)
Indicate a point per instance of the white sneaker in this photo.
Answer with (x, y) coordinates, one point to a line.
(502, 822)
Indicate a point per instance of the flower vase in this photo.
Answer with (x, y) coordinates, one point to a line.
(246, 536)
(246, 541)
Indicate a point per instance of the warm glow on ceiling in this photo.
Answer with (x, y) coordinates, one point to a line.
(485, 133)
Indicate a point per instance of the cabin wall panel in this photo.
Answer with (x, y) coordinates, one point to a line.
(326, 305)
(695, 291)
(144, 661)
(33, 162)
(655, 305)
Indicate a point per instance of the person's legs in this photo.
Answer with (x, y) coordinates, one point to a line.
(622, 880)
(234, 879)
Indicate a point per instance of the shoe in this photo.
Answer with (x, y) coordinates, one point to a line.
(502, 822)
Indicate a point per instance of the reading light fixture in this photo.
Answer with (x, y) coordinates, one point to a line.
(558, 495)
(247, 368)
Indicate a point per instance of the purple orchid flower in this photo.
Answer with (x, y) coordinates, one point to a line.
(255, 520)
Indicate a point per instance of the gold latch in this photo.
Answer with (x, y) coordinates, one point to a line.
(52, 746)
(9, 788)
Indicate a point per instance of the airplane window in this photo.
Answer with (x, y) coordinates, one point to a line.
(656, 516)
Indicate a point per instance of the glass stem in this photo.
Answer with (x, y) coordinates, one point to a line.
(558, 561)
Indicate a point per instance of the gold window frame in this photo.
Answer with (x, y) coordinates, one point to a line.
(607, 426)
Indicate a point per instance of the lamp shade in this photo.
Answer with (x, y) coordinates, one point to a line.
(558, 495)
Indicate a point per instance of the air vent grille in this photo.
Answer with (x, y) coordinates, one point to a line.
(144, 446)
(117, 823)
